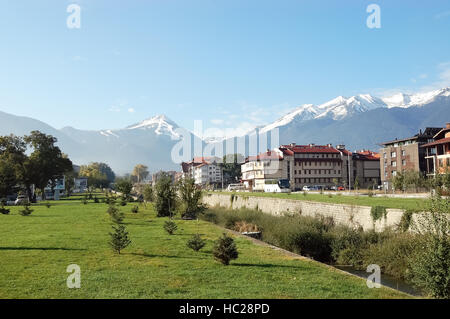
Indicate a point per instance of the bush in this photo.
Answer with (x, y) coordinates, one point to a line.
(170, 226)
(26, 211)
(346, 246)
(377, 212)
(119, 238)
(405, 221)
(135, 209)
(47, 204)
(225, 250)
(148, 193)
(4, 210)
(196, 242)
(431, 265)
(85, 201)
(123, 201)
(96, 199)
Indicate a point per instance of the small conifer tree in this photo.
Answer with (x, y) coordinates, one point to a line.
(225, 249)
(119, 238)
(196, 242)
(170, 226)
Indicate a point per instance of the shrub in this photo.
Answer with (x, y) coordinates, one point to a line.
(196, 242)
(26, 211)
(225, 250)
(123, 201)
(47, 204)
(392, 254)
(85, 201)
(346, 246)
(405, 221)
(4, 210)
(170, 226)
(96, 199)
(430, 267)
(119, 238)
(377, 212)
(135, 209)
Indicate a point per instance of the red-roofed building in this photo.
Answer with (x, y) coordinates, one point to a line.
(204, 170)
(312, 165)
(438, 153)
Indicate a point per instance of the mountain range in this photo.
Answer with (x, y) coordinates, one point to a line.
(360, 122)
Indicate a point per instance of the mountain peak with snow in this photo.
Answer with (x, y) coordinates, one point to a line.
(342, 107)
(161, 125)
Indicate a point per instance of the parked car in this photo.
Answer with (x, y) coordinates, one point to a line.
(306, 188)
(334, 188)
(21, 199)
(341, 188)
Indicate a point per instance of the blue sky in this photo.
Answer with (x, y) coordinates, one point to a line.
(229, 63)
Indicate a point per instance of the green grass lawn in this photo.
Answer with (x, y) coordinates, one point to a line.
(401, 203)
(35, 251)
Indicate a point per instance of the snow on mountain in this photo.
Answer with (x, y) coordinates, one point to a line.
(418, 99)
(342, 107)
(161, 125)
(302, 113)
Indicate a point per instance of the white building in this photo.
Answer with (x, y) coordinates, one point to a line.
(204, 170)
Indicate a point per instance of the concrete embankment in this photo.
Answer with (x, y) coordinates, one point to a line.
(350, 215)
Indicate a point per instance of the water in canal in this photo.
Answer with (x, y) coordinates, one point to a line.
(386, 280)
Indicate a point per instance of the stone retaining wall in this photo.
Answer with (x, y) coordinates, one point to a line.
(350, 215)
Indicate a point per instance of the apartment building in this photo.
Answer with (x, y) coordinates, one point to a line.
(204, 170)
(405, 154)
(264, 167)
(437, 153)
(312, 164)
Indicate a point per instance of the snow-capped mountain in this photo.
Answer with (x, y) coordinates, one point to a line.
(360, 121)
(160, 124)
(341, 107)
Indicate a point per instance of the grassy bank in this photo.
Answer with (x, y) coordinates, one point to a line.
(35, 251)
(319, 238)
(413, 204)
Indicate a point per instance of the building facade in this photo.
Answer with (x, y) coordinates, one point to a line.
(405, 154)
(204, 170)
(437, 153)
(268, 166)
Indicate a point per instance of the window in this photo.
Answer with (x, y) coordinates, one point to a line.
(403, 153)
(403, 162)
(384, 155)
(393, 154)
(393, 164)
(394, 173)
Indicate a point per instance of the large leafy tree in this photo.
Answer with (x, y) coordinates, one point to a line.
(165, 196)
(98, 174)
(190, 198)
(140, 172)
(231, 166)
(45, 162)
(12, 160)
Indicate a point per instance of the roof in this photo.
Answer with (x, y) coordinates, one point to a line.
(369, 155)
(311, 148)
(438, 142)
(429, 132)
(270, 155)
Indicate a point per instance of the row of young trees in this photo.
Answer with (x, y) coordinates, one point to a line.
(412, 180)
(30, 160)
